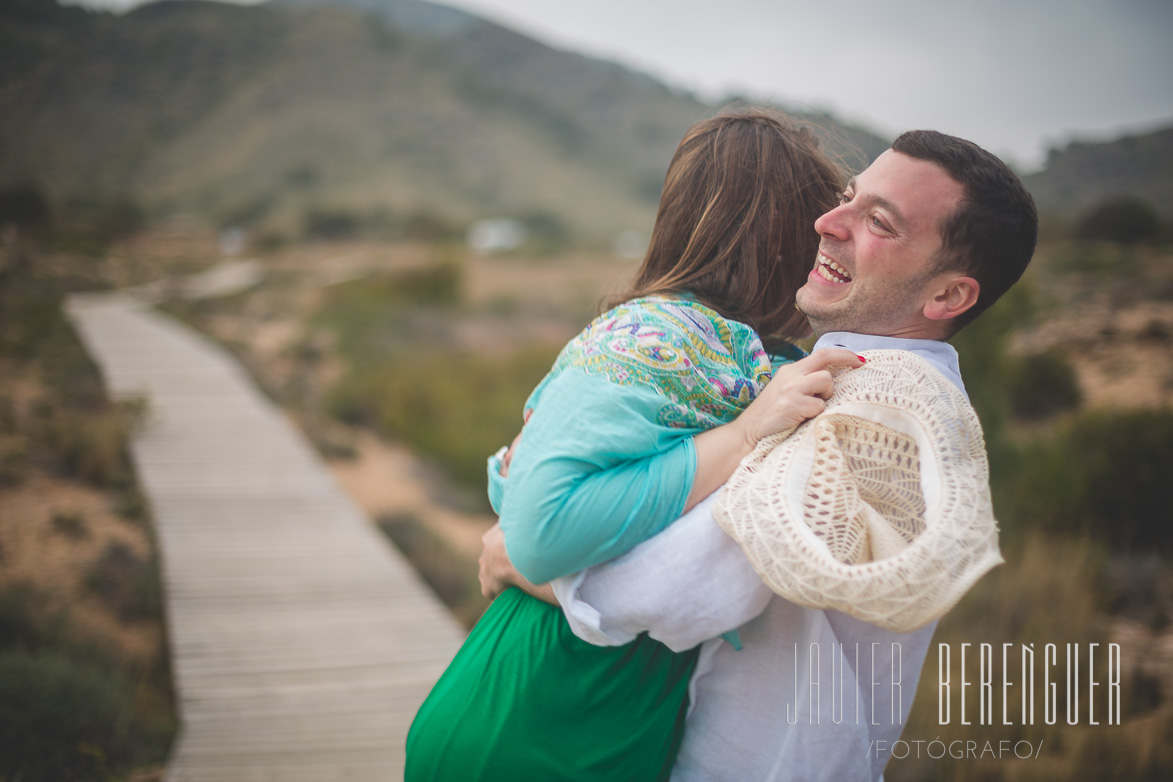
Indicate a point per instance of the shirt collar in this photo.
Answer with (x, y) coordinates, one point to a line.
(941, 355)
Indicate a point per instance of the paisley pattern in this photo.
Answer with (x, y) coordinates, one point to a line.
(707, 368)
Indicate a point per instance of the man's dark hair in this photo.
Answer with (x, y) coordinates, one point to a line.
(991, 235)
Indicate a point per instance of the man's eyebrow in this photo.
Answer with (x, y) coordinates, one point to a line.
(879, 201)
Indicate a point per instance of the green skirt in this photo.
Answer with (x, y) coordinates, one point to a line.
(526, 699)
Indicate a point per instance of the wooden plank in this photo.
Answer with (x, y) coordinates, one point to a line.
(302, 643)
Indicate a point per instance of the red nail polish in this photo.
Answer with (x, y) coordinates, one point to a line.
(861, 358)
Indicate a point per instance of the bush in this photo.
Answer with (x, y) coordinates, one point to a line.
(1104, 473)
(87, 446)
(126, 717)
(331, 224)
(13, 464)
(981, 347)
(59, 720)
(1123, 219)
(369, 317)
(71, 525)
(25, 207)
(1041, 385)
(23, 619)
(1125, 460)
(128, 585)
(455, 407)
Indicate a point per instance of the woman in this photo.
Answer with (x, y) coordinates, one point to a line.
(642, 416)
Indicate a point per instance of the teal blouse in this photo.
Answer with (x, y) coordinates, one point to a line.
(607, 460)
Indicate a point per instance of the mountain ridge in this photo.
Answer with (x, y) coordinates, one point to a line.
(1083, 174)
(273, 116)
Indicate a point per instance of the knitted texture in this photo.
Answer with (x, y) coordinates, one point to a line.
(879, 507)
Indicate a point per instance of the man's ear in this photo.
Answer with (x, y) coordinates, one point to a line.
(955, 296)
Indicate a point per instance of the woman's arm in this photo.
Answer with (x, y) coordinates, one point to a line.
(567, 510)
(797, 392)
(595, 473)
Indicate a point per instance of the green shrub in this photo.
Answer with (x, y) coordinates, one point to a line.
(89, 446)
(131, 504)
(1125, 459)
(1123, 219)
(331, 224)
(1100, 259)
(981, 347)
(71, 525)
(59, 719)
(369, 300)
(452, 406)
(403, 378)
(24, 621)
(1105, 473)
(57, 667)
(24, 206)
(128, 585)
(1042, 384)
(13, 464)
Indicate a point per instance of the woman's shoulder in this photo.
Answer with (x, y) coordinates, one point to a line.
(671, 316)
(643, 340)
(662, 327)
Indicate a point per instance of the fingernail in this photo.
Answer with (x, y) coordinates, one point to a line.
(861, 358)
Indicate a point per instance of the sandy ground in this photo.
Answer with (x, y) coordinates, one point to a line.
(35, 551)
(1120, 355)
(386, 478)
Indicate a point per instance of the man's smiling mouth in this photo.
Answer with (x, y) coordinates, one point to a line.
(831, 271)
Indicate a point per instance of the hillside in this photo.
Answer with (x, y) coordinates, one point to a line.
(281, 117)
(1082, 174)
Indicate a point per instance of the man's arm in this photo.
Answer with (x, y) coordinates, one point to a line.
(686, 585)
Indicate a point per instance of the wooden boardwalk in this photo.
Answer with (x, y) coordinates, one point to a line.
(301, 642)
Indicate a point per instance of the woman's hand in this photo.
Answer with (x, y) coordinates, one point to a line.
(507, 459)
(797, 392)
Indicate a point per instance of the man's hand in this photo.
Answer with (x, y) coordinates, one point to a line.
(496, 571)
(498, 574)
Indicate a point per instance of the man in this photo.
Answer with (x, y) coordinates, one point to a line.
(926, 238)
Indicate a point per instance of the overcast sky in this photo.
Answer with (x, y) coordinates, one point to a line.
(1016, 76)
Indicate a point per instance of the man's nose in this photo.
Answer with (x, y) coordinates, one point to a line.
(833, 223)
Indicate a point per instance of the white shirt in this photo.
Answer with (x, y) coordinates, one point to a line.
(768, 711)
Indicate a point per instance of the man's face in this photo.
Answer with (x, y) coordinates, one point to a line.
(873, 271)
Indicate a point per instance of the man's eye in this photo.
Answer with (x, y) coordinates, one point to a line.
(879, 224)
(844, 198)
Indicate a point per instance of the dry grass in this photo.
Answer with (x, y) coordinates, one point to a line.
(1049, 591)
(85, 689)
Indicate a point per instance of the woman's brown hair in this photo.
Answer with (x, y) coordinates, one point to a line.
(736, 220)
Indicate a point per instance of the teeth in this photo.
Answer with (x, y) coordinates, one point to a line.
(824, 267)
